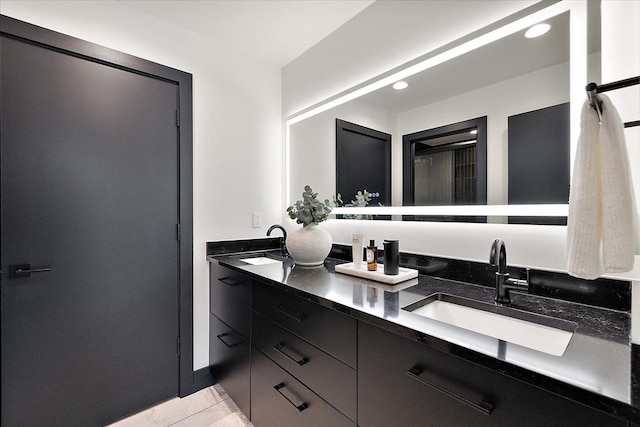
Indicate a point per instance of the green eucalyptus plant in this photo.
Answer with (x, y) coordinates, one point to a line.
(309, 210)
(362, 199)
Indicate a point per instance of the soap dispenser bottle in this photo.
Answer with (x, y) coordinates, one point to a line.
(372, 256)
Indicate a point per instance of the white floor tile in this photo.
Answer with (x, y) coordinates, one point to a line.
(235, 419)
(173, 410)
(206, 418)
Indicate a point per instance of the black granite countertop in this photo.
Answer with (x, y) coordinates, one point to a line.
(597, 369)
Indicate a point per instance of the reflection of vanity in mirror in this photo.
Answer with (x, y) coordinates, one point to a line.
(505, 78)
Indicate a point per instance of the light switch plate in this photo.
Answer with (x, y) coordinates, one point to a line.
(257, 219)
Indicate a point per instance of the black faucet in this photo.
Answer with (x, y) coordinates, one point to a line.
(283, 244)
(498, 258)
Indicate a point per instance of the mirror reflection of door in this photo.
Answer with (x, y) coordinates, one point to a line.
(446, 166)
(539, 158)
(363, 162)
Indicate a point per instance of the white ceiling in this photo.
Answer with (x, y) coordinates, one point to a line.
(499, 61)
(272, 31)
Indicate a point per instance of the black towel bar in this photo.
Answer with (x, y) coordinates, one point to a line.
(593, 90)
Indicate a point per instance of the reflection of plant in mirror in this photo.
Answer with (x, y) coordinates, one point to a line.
(309, 210)
(362, 199)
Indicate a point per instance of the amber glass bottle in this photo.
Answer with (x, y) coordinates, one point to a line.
(372, 256)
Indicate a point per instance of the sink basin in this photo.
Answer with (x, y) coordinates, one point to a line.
(260, 260)
(538, 332)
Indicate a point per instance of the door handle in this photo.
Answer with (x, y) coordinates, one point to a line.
(25, 270)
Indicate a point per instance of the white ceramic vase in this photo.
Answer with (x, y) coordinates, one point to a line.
(309, 246)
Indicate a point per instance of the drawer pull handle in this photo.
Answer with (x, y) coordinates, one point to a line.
(25, 270)
(297, 359)
(483, 406)
(279, 388)
(221, 338)
(228, 281)
(298, 317)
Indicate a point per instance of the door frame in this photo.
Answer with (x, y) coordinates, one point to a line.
(49, 39)
(410, 140)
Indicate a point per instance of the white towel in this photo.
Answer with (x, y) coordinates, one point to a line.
(584, 229)
(602, 234)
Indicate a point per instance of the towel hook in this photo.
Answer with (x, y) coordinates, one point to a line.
(596, 104)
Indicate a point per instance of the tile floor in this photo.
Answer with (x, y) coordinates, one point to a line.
(210, 407)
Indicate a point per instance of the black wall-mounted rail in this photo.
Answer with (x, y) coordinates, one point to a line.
(593, 90)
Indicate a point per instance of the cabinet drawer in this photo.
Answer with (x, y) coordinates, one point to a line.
(333, 380)
(404, 383)
(333, 332)
(230, 297)
(229, 362)
(278, 399)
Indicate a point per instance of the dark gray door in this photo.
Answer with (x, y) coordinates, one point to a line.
(363, 162)
(89, 190)
(539, 160)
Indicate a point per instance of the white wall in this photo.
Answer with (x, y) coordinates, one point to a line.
(359, 50)
(237, 127)
(621, 60)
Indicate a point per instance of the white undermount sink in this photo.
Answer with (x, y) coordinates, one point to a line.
(538, 332)
(260, 260)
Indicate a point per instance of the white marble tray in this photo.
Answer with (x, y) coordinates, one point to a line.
(378, 275)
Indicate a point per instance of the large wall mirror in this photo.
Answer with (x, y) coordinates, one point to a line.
(495, 73)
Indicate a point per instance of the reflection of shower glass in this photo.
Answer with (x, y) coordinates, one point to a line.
(357, 294)
(445, 170)
(372, 296)
(434, 183)
(391, 304)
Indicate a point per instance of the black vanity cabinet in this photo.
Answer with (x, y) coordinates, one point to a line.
(287, 356)
(303, 362)
(406, 383)
(230, 297)
(229, 333)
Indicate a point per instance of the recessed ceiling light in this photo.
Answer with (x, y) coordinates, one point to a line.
(537, 30)
(400, 85)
